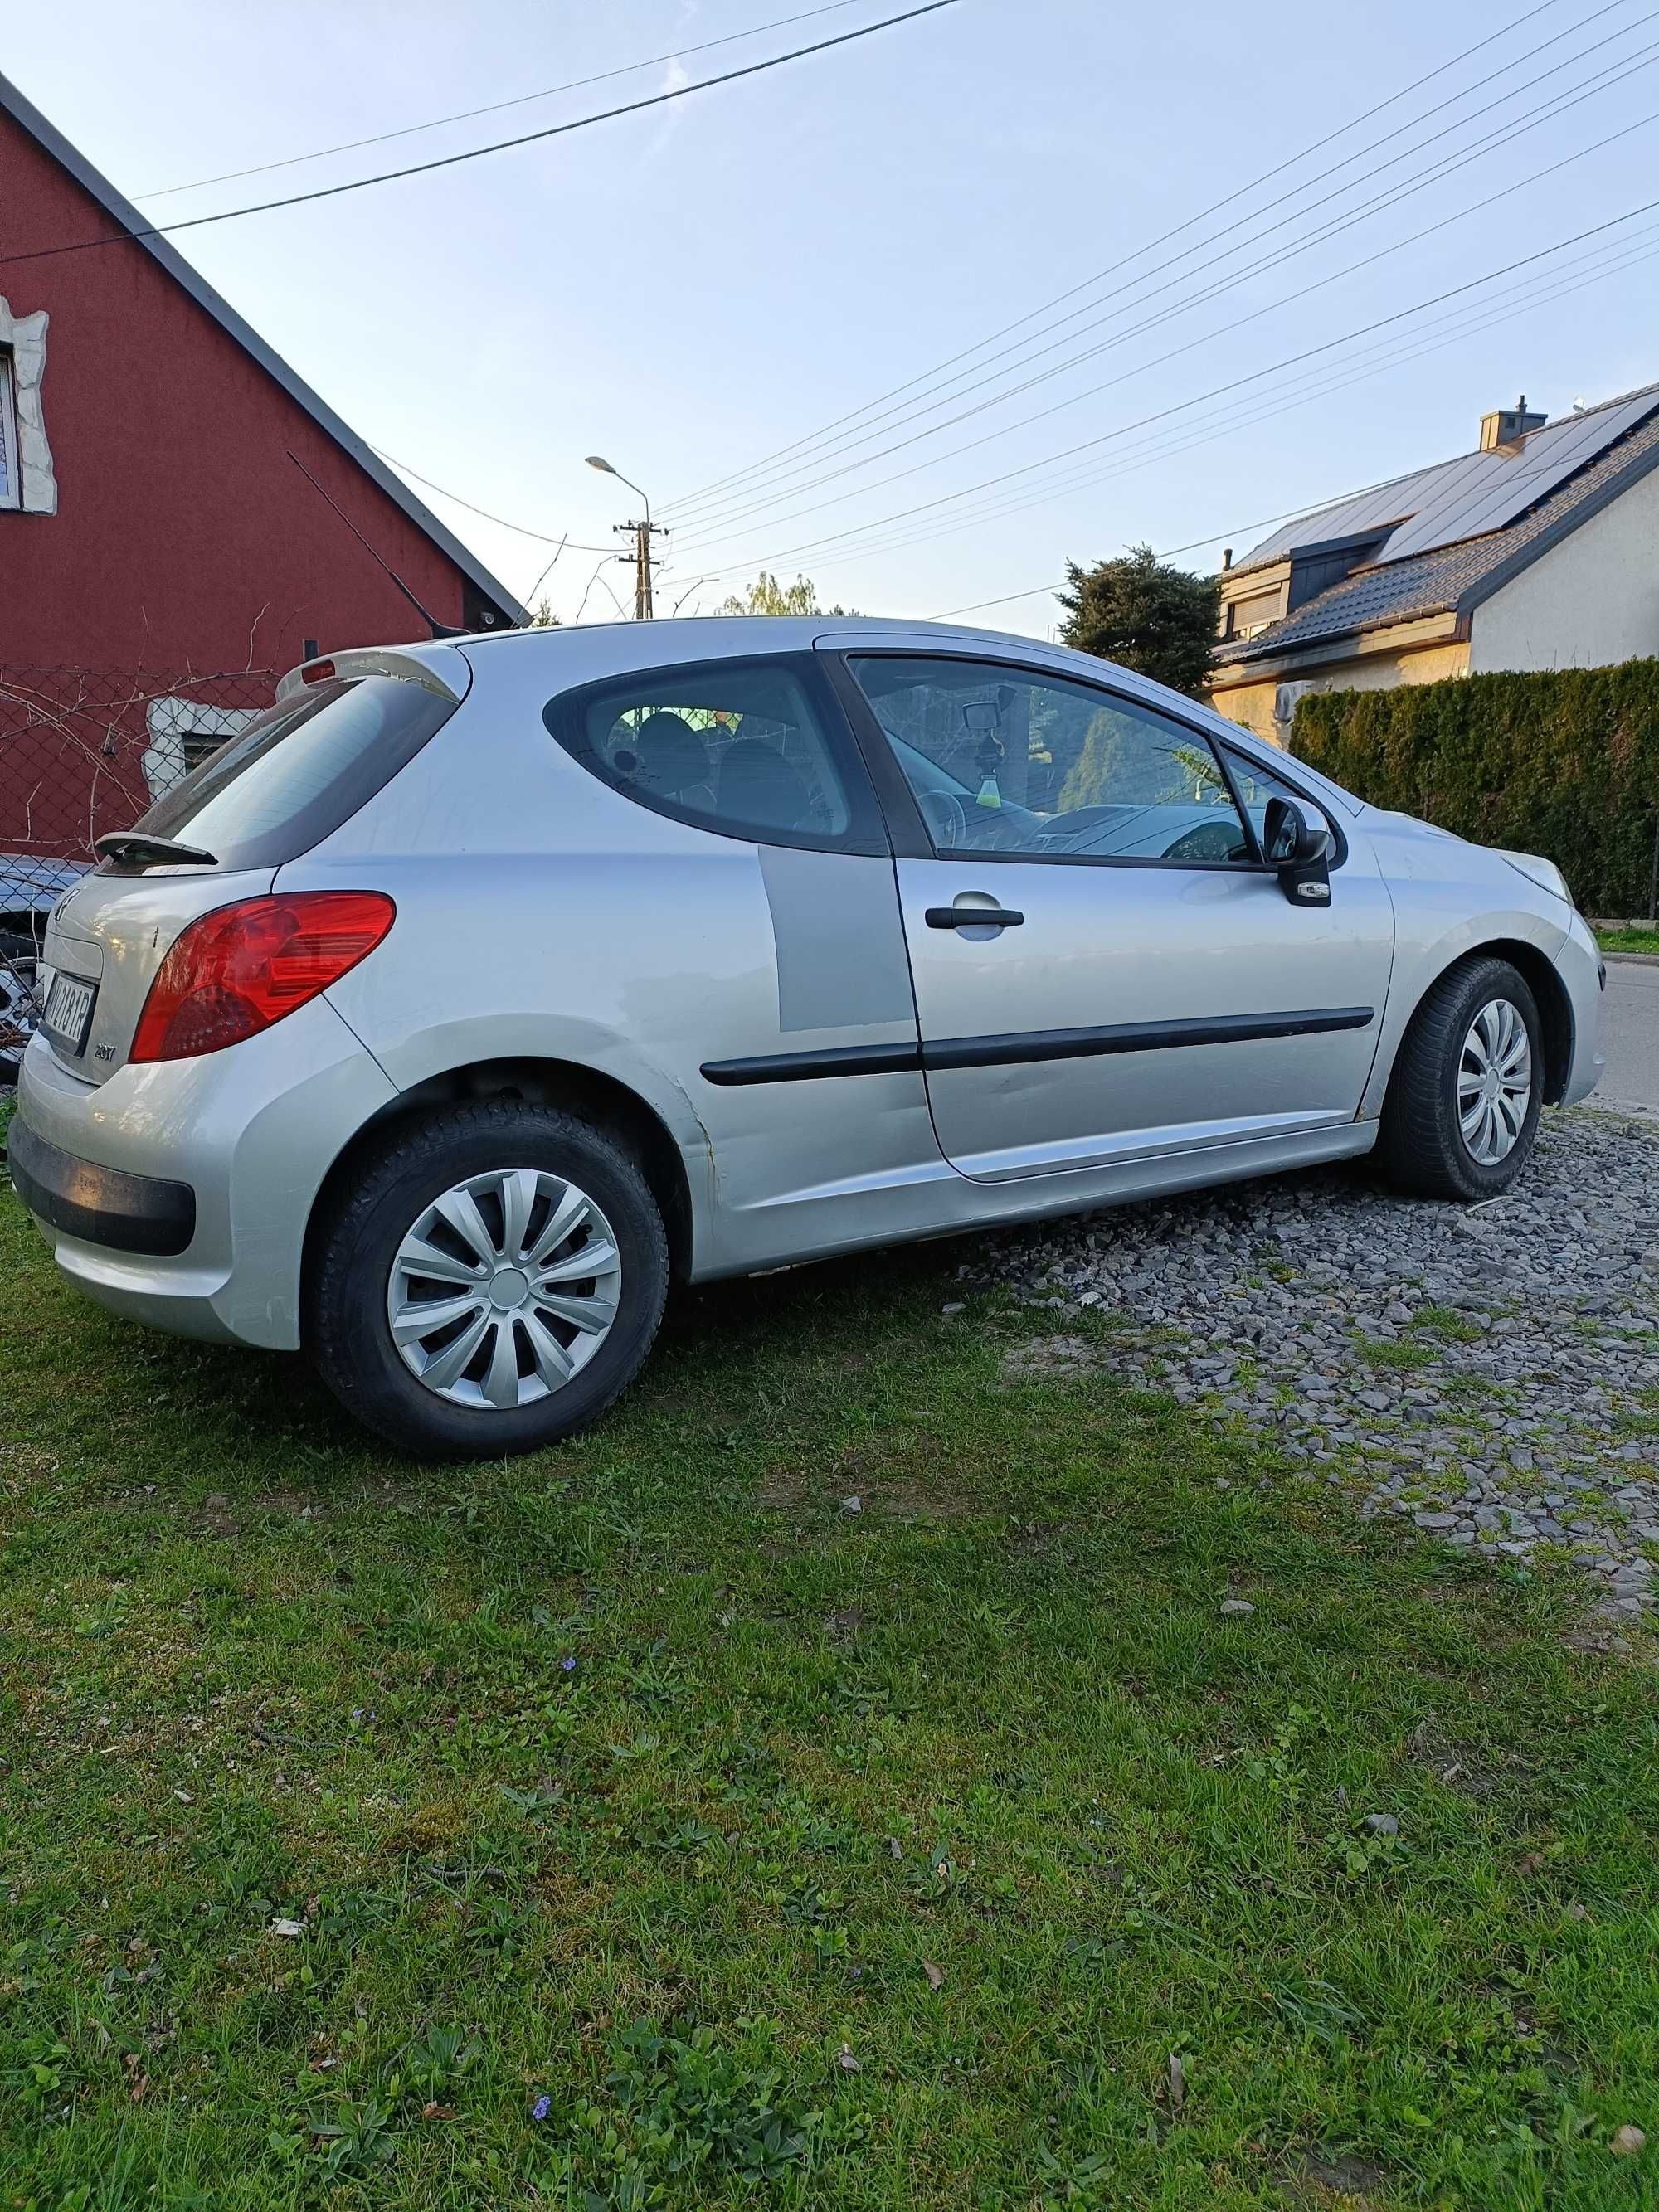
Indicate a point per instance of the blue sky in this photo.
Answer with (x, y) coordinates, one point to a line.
(689, 290)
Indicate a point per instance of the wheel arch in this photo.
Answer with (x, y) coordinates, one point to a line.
(1554, 1004)
(594, 1097)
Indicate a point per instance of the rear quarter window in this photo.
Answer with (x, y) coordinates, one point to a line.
(749, 748)
(299, 769)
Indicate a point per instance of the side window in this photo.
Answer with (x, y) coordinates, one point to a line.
(748, 748)
(1004, 761)
(1256, 785)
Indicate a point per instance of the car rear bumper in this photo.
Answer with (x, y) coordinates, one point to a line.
(178, 1193)
(98, 1205)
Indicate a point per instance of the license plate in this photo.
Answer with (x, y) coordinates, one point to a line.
(69, 1011)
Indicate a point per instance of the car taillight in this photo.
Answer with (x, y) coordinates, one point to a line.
(236, 971)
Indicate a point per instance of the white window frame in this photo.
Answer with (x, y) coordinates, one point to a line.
(32, 482)
(12, 469)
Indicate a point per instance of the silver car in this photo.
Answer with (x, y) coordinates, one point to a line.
(478, 990)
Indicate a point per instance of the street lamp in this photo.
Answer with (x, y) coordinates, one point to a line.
(642, 534)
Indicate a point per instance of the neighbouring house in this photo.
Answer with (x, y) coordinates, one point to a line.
(1538, 549)
(181, 517)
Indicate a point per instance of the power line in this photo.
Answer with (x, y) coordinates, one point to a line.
(716, 526)
(1216, 392)
(1187, 253)
(714, 520)
(541, 537)
(494, 107)
(1191, 345)
(1215, 536)
(1506, 31)
(499, 146)
(1231, 427)
(1451, 328)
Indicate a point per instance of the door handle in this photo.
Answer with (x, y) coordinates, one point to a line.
(973, 917)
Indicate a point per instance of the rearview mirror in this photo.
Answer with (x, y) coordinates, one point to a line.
(1299, 851)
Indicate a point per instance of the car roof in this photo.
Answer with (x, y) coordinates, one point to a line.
(688, 637)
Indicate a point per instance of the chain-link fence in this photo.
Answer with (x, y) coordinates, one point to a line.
(83, 751)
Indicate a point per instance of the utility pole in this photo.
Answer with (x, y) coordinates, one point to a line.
(642, 533)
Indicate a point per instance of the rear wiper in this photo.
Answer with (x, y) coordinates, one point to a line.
(140, 845)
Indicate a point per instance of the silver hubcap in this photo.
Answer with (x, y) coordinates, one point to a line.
(1494, 1082)
(504, 1288)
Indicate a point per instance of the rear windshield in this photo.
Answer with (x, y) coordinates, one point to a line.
(299, 769)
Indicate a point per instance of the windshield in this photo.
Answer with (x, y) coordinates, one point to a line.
(299, 770)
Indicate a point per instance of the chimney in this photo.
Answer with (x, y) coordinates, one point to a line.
(1226, 556)
(1504, 426)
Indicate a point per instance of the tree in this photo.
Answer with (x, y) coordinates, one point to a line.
(544, 616)
(1140, 611)
(766, 596)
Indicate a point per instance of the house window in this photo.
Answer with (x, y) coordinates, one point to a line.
(10, 473)
(182, 734)
(27, 484)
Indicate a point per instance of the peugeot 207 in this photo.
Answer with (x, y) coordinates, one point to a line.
(477, 990)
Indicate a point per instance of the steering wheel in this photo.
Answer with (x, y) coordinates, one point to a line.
(1207, 841)
(946, 819)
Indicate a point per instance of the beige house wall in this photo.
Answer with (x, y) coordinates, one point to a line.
(1253, 704)
(1590, 601)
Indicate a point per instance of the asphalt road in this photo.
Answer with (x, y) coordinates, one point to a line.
(1630, 1037)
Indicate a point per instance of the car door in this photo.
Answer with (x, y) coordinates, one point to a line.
(1140, 983)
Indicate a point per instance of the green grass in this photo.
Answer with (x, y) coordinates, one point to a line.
(793, 1856)
(1446, 1322)
(1402, 1353)
(1628, 940)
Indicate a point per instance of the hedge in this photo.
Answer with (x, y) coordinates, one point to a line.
(1563, 761)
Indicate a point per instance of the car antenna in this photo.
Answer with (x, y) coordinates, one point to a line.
(438, 628)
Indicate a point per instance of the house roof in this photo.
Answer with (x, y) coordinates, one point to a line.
(123, 212)
(1456, 533)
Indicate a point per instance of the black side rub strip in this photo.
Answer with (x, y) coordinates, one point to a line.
(1137, 1036)
(798, 1066)
(1022, 1048)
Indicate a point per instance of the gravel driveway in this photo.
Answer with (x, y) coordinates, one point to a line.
(1492, 1374)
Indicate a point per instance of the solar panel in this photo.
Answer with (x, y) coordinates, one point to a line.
(1366, 510)
(1491, 490)
(1469, 495)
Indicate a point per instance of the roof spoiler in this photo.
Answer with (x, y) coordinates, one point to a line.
(437, 668)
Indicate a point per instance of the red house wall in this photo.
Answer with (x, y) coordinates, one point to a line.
(181, 523)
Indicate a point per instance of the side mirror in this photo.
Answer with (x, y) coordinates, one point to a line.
(1299, 851)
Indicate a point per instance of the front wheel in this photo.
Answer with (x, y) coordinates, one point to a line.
(1461, 1111)
(491, 1282)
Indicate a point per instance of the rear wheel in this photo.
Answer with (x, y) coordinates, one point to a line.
(1462, 1107)
(491, 1282)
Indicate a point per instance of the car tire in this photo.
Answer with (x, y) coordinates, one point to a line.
(361, 1278)
(1424, 1147)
